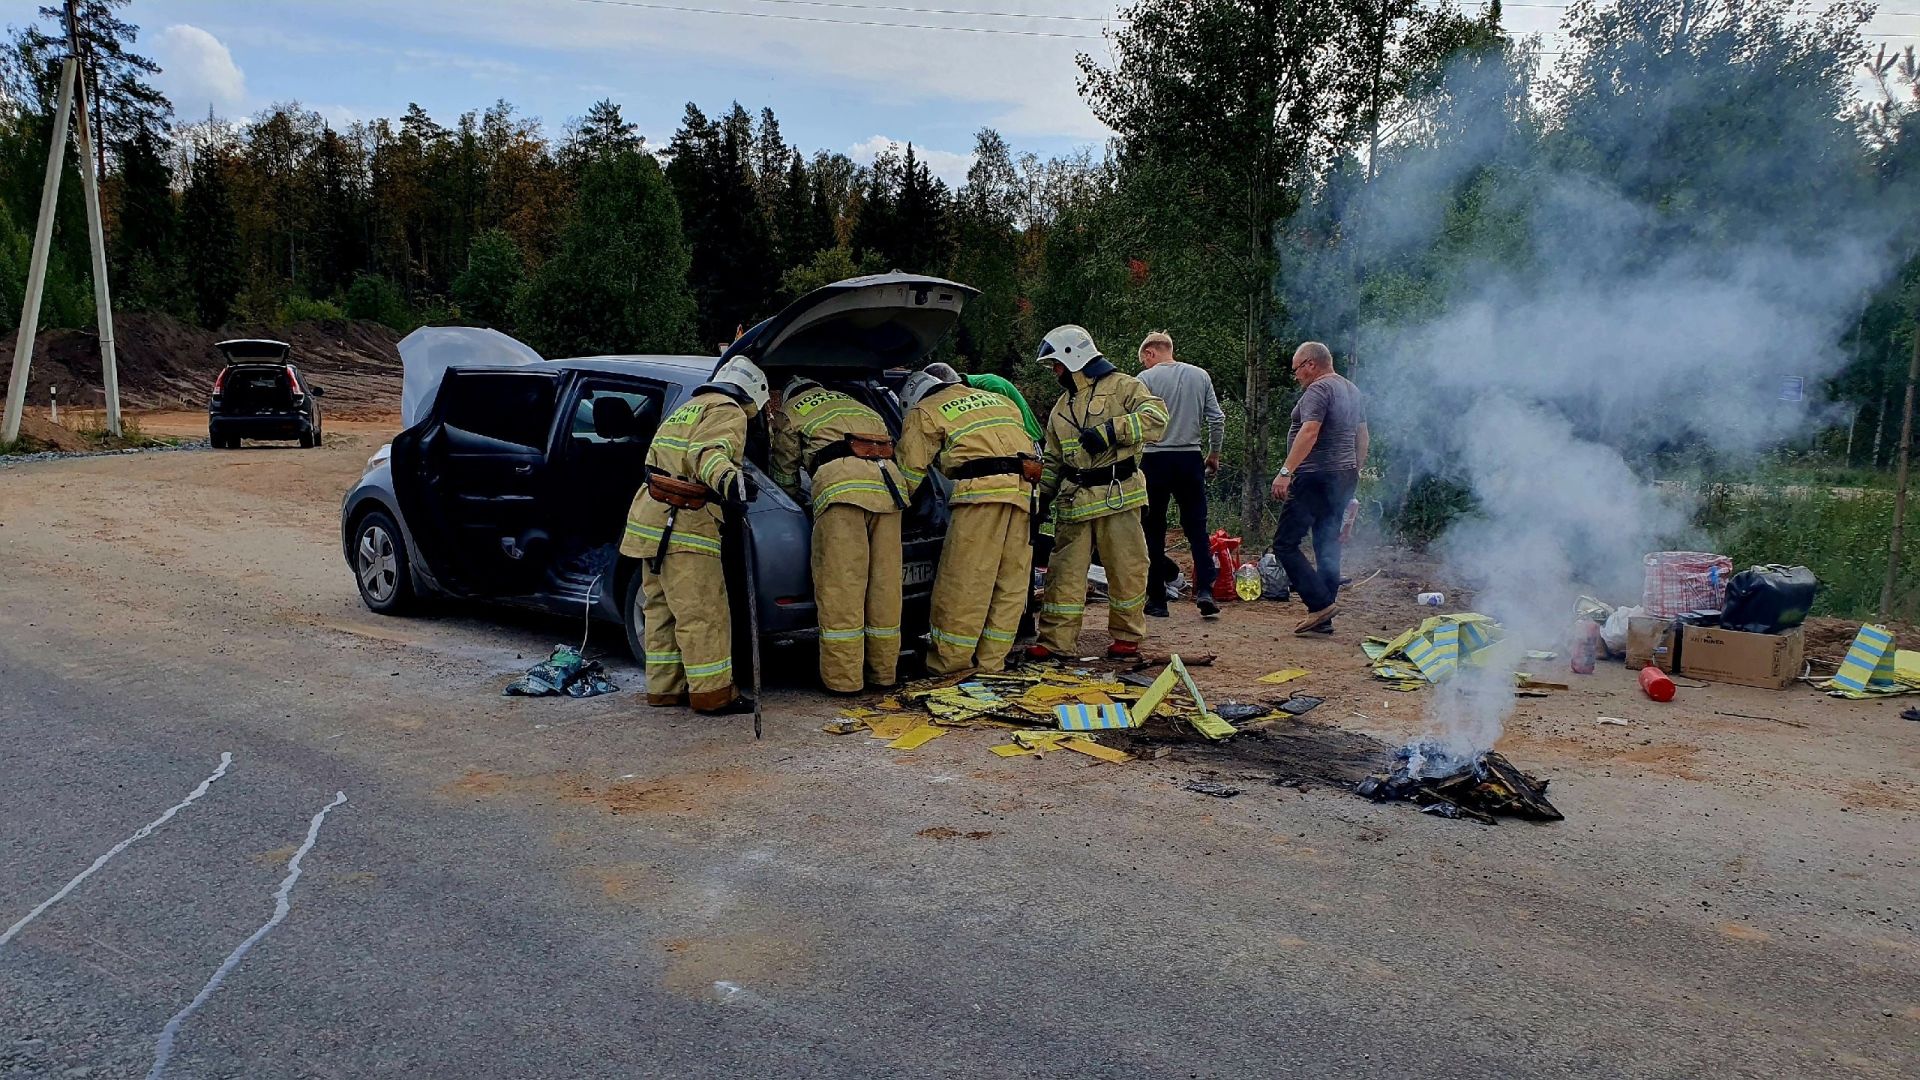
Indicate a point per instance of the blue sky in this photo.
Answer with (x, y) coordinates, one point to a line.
(835, 86)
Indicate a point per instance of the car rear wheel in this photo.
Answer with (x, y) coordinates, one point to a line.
(380, 565)
(633, 612)
(307, 440)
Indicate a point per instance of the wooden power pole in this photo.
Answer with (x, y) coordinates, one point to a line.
(43, 241)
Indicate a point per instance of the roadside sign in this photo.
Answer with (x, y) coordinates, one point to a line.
(1793, 388)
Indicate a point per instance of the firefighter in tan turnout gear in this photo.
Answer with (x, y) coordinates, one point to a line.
(674, 526)
(977, 440)
(858, 496)
(1095, 436)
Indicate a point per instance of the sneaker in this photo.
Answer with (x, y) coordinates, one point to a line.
(1208, 609)
(1123, 650)
(1157, 611)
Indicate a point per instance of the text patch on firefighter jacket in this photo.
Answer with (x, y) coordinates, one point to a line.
(958, 427)
(701, 441)
(1085, 485)
(820, 420)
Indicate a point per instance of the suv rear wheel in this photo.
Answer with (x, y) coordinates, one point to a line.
(380, 565)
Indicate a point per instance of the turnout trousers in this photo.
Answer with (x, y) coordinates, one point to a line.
(856, 591)
(689, 632)
(980, 589)
(1123, 551)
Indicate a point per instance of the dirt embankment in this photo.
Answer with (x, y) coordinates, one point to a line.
(167, 364)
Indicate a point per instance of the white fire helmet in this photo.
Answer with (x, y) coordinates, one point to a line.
(798, 385)
(746, 375)
(926, 381)
(1069, 346)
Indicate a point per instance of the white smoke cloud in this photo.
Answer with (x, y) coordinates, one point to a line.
(1539, 387)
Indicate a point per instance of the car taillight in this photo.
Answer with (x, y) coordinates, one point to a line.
(295, 380)
(219, 380)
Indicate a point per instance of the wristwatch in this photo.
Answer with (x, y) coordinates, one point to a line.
(1284, 471)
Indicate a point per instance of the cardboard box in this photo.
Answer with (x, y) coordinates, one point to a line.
(1770, 661)
(1650, 641)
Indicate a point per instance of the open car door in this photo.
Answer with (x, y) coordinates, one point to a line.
(472, 479)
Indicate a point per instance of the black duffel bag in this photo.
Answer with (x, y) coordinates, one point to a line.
(1768, 599)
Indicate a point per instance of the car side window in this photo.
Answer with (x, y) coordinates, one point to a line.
(508, 406)
(600, 407)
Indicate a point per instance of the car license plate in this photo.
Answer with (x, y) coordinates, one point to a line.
(918, 573)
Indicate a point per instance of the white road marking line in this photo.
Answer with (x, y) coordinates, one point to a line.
(146, 830)
(163, 1047)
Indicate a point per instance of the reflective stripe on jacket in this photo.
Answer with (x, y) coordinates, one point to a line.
(1138, 418)
(817, 419)
(702, 440)
(958, 424)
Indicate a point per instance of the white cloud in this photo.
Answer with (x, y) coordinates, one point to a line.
(198, 71)
(945, 164)
(1019, 81)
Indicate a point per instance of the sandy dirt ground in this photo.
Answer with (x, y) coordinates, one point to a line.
(567, 888)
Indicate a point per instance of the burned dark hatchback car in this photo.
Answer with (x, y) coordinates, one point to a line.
(512, 485)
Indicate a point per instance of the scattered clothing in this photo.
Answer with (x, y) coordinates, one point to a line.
(565, 673)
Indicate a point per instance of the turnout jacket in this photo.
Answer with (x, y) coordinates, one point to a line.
(702, 440)
(1124, 409)
(816, 420)
(956, 426)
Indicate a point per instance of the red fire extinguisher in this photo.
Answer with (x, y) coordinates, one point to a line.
(1226, 559)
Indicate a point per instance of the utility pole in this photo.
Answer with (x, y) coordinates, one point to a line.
(43, 241)
(1898, 537)
(96, 235)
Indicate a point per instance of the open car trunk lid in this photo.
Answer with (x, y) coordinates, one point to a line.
(241, 350)
(867, 323)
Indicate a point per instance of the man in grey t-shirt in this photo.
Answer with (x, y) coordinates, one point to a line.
(1326, 446)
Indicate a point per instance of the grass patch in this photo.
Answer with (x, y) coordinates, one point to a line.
(92, 427)
(1841, 539)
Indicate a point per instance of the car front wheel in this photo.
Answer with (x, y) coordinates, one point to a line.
(633, 611)
(380, 565)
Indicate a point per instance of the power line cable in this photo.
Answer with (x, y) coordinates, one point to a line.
(841, 22)
(938, 11)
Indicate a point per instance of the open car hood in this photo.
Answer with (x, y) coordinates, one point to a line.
(427, 353)
(873, 323)
(253, 349)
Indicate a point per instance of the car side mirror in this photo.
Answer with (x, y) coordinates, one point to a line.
(316, 391)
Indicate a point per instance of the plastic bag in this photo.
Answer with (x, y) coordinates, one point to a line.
(1273, 578)
(565, 672)
(1769, 599)
(1247, 584)
(1613, 633)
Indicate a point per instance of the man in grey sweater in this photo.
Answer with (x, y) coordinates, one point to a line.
(1178, 467)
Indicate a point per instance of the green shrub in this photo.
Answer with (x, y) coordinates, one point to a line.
(1841, 538)
(377, 299)
(297, 308)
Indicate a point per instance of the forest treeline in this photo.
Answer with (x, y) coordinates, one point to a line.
(1279, 169)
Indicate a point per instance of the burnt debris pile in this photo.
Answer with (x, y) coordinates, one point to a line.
(1482, 788)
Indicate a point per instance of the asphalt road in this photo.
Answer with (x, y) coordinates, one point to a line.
(519, 888)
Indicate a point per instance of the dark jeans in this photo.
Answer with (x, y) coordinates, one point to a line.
(1314, 506)
(1176, 475)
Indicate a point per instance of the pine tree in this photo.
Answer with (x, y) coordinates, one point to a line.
(210, 241)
